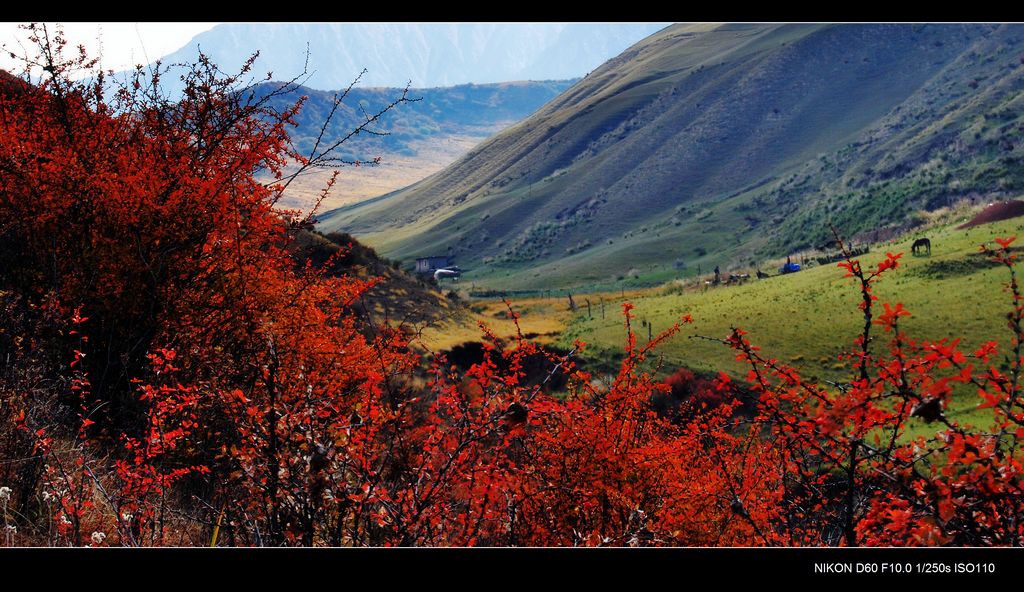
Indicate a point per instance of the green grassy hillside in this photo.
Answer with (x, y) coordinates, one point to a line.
(710, 145)
(806, 319)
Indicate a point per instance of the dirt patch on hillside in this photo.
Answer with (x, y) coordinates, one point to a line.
(995, 212)
(947, 268)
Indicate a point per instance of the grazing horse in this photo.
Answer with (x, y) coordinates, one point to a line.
(922, 243)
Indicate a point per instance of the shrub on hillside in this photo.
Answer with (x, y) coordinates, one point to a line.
(689, 395)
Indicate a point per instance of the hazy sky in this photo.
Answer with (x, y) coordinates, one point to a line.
(124, 44)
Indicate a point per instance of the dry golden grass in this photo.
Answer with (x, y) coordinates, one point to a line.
(541, 319)
(395, 171)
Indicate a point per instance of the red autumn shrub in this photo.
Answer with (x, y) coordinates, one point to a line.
(154, 219)
(690, 394)
(504, 463)
(852, 475)
(173, 376)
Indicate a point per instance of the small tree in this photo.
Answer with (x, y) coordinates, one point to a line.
(153, 216)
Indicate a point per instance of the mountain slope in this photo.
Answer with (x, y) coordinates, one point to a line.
(420, 137)
(425, 54)
(705, 145)
(468, 109)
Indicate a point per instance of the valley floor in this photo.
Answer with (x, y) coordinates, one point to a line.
(805, 319)
(394, 172)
